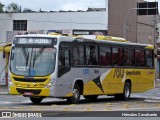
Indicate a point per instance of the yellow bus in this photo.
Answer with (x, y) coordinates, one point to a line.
(67, 67)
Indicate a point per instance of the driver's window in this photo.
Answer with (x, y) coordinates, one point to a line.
(64, 58)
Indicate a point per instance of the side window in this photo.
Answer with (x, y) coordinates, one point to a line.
(142, 58)
(128, 57)
(149, 58)
(139, 58)
(64, 58)
(67, 61)
(91, 55)
(78, 55)
(117, 56)
(105, 56)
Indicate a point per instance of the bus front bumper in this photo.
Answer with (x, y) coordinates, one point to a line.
(43, 92)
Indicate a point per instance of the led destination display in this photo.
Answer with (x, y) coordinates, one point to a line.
(34, 40)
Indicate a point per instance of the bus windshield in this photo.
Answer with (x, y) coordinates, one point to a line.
(34, 61)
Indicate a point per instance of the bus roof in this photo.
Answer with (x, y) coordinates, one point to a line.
(92, 39)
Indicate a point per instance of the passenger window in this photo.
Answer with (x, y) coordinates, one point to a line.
(128, 57)
(117, 56)
(78, 55)
(92, 55)
(139, 58)
(149, 58)
(105, 56)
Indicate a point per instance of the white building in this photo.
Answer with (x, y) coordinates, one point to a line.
(69, 22)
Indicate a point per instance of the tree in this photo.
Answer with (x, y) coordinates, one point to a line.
(13, 7)
(27, 10)
(1, 7)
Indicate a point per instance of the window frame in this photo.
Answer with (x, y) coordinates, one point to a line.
(20, 25)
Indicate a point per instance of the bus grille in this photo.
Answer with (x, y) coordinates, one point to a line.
(22, 91)
(29, 80)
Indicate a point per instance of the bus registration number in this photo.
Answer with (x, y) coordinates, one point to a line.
(28, 93)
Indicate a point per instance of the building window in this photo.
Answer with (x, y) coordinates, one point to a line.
(19, 25)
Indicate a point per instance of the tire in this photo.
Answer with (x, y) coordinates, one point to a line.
(91, 97)
(126, 92)
(76, 95)
(36, 100)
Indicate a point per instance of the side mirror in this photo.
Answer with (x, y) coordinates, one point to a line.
(4, 53)
(155, 55)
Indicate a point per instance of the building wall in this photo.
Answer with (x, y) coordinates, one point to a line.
(158, 31)
(117, 12)
(94, 20)
(145, 29)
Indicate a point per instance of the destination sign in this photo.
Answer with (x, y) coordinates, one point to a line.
(34, 40)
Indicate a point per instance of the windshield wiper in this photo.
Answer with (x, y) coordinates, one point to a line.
(36, 56)
(27, 59)
(26, 56)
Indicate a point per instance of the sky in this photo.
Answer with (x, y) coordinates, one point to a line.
(56, 5)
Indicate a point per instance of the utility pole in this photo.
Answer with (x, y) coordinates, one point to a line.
(155, 45)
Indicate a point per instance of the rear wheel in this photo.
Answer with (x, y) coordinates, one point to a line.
(36, 100)
(126, 92)
(76, 95)
(91, 97)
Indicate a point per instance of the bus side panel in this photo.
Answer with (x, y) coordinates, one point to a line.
(142, 79)
(65, 83)
(103, 83)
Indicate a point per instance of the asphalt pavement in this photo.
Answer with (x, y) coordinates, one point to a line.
(4, 90)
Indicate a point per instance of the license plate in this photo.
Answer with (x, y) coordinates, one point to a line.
(28, 93)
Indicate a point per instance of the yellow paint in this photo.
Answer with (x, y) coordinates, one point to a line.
(110, 38)
(126, 106)
(30, 85)
(149, 47)
(6, 49)
(66, 109)
(69, 95)
(88, 109)
(141, 80)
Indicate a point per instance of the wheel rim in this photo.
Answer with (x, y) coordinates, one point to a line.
(127, 91)
(75, 94)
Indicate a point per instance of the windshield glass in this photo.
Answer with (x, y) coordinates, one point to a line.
(32, 61)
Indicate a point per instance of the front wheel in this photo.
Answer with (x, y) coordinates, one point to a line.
(76, 95)
(36, 100)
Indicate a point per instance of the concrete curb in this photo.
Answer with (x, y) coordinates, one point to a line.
(4, 93)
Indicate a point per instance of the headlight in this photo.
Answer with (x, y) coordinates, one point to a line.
(50, 83)
(10, 81)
